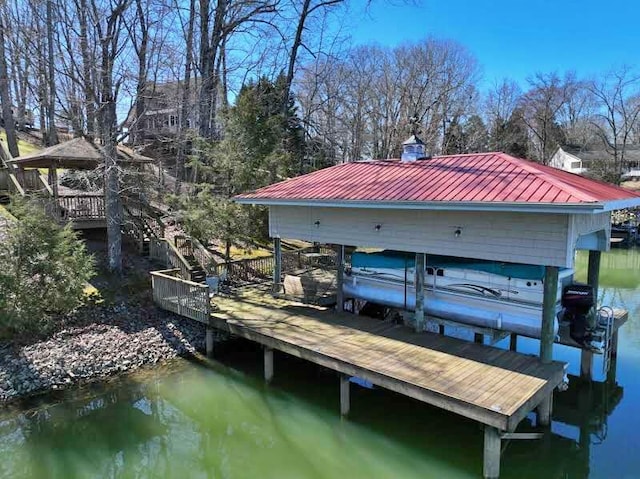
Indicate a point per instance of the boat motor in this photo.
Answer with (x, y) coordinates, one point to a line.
(578, 302)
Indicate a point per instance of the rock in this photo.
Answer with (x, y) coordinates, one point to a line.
(120, 339)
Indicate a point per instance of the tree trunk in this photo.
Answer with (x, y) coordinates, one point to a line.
(107, 118)
(53, 133)
(5, 98)
(113, 206)
(142, 74)
(186, 98)
(297, 42)
(87, 62)
(209, 48)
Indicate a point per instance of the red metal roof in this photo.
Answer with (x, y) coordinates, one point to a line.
(483, 178)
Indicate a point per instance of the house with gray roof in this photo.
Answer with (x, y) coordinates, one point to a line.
(581, 160)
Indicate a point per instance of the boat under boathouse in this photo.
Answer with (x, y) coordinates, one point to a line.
(489, 207)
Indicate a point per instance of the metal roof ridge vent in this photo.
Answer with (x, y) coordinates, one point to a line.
(414, 149)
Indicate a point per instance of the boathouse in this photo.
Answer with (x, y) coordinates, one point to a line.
(488, 206)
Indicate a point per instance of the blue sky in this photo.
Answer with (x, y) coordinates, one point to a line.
(515, 38)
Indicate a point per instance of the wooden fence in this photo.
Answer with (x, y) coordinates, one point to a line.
(260, 269)
(181, 296)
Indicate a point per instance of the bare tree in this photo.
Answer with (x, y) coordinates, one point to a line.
(186, 95)
(541, 105)
(52, 134)
(109, 33)
(618, 114)
(5, 98)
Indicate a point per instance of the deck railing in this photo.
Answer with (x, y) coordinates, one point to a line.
(259, 269)
(81, 207)
(167, 253)
(192, 247)
(181, 296)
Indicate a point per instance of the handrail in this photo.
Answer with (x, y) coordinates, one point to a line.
(183, 297)
(204, 256)
(177, 260)
(192, 247)
(144, 209)
(167, 273)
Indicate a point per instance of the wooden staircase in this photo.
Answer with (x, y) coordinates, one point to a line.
(141, 224)
(192, 252)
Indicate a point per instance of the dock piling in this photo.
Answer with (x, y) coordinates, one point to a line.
(268, 364)
(420, 269)
(277, 265)
(345, 402)
(586, 364)
(544, 410)
(209, 341)
(340, 278)
(547, 335)
(492, 450)
(593, 272)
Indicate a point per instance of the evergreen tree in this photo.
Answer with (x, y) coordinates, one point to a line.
(262, 144)
(510, 135)
(43, 271)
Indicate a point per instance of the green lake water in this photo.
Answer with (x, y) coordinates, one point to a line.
(219, 420)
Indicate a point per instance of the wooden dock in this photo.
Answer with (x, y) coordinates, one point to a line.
(495, 387)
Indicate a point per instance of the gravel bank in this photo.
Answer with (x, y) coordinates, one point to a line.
(117, 339)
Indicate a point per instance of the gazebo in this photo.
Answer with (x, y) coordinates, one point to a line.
(84, 210)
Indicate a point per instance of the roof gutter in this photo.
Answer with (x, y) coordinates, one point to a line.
(576, 208)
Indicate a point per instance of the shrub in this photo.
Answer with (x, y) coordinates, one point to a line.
(43, 271)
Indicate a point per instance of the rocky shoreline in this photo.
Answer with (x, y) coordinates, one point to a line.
(110, 341)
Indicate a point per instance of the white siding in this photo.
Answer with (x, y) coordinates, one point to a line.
(566, 161)
(593, 231)
(533, 238)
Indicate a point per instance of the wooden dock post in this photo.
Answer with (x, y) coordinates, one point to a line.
(548, 313)
(586, 364)
(478, 338)
(340, 278)
(420, 270)
(277, 265)
(593, 276)
(513, 342)
(268, 364)
(492, 450)
(209, 341)
(345, 402)
(593, 273)
(544, 410)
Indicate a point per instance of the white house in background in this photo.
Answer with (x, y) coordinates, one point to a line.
(579, 161)
(566, 161)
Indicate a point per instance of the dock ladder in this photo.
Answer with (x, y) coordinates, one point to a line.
(606, 320)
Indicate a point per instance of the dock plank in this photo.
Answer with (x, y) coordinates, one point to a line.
(477, 381)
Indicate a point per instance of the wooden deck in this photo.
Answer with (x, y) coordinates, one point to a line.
(495, 387)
